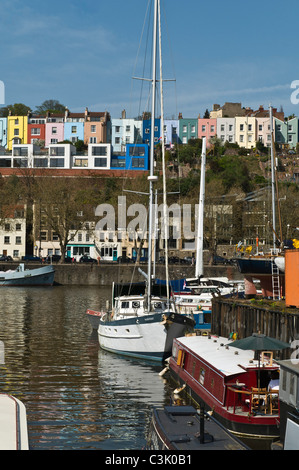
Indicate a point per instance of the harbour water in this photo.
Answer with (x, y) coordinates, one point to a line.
(77, 396)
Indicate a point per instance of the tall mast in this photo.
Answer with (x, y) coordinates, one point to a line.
(199, 247)
(273, 179)
(152, 152)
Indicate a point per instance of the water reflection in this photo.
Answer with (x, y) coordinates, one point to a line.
(76, 395)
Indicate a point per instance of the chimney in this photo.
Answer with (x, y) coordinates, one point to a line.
(123, 114)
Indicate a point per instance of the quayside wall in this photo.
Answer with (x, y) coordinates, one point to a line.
(104, 274)
(245, 317)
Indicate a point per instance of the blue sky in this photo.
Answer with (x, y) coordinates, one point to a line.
(84, 53)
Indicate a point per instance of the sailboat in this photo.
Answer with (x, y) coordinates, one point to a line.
(143, 321)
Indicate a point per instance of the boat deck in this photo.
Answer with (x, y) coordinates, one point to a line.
(13, 424)
(181, 428)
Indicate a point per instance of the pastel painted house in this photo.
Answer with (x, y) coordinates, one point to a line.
(188, 129)
(97, 127)
(54, 129)
(17, 130)
(263, 129)
(74, 126)
(207, 128)
(125, 131)
(245, 131)
(286, 132)
(226, 129)
(171, 132)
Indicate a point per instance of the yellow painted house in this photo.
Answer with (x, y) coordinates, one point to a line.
(245, 130)
(17, 130)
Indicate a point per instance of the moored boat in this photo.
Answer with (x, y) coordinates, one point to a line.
(225, 379)
(183, 428)
(132, 328)
(13, 424)
(43, 276)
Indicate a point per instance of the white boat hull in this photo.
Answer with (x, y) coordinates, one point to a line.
(145, 337)
(43, 276)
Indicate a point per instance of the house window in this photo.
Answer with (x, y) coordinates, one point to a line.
(222, 127)
(16, 122)
(35, 131)
(102, 151)
(212, 128)
(6, 240)
(230, 127)
(250, 127)
(241, 138)
(203, 128)
(92, 140)
(74, 129)
(100, 162)
(93, 128)
(7, 227)
(18, 227)
(185, 128)
(117, 128)
(54, 130)
(18, 240)
(16, 131)
(128, 128)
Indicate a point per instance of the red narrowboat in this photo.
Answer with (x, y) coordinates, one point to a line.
(229, 382)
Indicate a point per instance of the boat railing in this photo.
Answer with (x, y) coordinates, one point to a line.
(254, 401)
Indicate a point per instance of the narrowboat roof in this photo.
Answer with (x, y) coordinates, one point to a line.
(215, 350)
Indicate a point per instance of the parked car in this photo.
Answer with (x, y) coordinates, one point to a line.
(5, 258)
(31, 258)
(53, 258)
(68, 259)
(124, 259)
(87, 259)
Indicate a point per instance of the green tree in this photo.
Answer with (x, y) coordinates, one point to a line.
(50, 105)
(17, 109)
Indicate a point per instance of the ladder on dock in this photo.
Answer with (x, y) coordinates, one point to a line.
(275, 281)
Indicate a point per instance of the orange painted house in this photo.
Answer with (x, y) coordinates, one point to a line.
(97, 127)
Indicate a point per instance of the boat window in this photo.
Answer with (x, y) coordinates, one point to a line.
(135, 304)
(125, 304)
(157, 305)
(202, 376)
(193, 368)
(181, 357)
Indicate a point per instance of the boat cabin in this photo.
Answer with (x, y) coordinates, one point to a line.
(224, 377)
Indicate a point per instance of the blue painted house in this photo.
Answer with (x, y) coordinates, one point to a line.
(147, 129)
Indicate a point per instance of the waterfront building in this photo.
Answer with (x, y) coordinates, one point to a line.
(226, 129)
(74, 126)
(97, 127)
(13, 234)
(54, 128)
(171, 132)
(245, 131)
(227, 110)
(3, 131)
(263, 131)
(188, 129)
(207, 128)
(146, 131)
(17, 130)
(125, 131)
(36, 129)
(286, 132)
